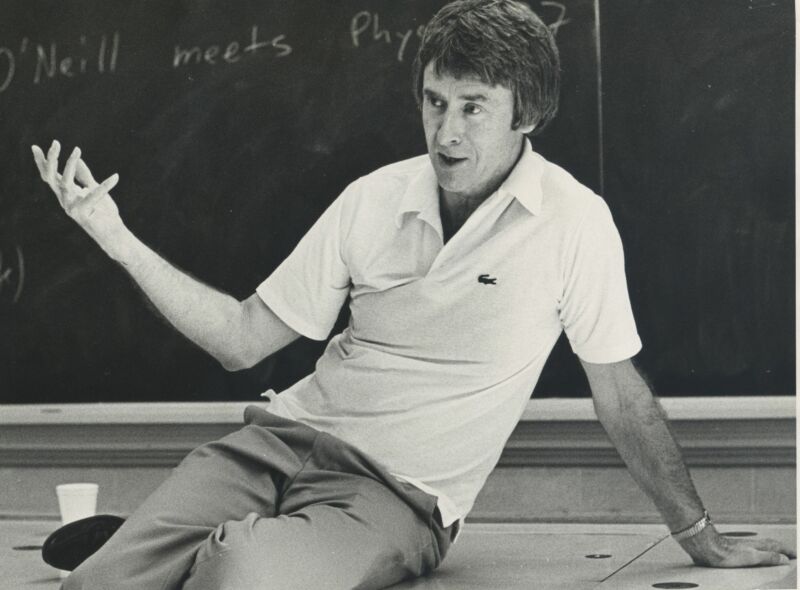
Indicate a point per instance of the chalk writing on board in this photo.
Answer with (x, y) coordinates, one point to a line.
(10, 67)
(560, 20)
(43, 61)
(12, 275)
(366, 27)
(230, 52)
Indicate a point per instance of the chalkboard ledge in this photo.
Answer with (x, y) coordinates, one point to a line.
(732, 432)
(537, 410)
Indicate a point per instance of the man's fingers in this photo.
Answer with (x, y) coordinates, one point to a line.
(775, 546)
(100, 190)
(778, 547)
(68, 178)
(52, 164)
(84, 175)
(784, 548)
(76, 189)
(750, 553)
(39, 159)
(42, 163)
(771, 558)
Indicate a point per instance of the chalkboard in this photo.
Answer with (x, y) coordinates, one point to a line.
(234, 124)
(698, 137)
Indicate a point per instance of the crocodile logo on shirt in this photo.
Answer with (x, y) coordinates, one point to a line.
(487, 280)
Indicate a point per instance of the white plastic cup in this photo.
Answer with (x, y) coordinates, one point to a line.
(76, 501)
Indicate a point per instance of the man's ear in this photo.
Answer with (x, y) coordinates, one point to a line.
(525, 129)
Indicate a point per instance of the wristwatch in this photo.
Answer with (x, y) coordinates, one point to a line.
(694, 529)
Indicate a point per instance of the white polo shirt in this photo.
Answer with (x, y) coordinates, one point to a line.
(446, 342)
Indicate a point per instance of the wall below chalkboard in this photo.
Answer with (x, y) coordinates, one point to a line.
(742, 444)
(234, 125)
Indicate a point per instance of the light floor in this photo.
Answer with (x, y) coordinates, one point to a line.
(504, 557)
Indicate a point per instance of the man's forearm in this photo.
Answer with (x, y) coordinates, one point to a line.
(238, 334)
(637, 426)
(208, 317)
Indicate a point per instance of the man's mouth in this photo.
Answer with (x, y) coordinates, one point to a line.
(449, 161)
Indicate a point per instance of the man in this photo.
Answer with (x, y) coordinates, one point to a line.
(462, 268)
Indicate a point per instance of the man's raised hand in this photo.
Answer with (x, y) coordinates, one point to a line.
(80, 195)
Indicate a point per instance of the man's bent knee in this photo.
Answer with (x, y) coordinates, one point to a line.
(94, 574)
(227, 559)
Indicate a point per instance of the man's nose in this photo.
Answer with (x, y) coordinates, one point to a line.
(451, 131)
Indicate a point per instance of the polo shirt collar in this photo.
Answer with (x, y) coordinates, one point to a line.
(421, 197)
(524, 183)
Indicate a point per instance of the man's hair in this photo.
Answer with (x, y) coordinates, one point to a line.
(500, 42)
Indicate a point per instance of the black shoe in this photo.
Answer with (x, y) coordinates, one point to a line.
(72, 544)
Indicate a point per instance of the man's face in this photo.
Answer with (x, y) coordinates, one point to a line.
(468, 131)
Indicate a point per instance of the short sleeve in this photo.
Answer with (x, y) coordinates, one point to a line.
(310, 286)
(595, 309)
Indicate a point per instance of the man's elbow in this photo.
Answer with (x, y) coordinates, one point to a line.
(238, 360)
(233, 364)
(236, 348)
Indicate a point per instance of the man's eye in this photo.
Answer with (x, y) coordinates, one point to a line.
(436, 102)
(472, 109)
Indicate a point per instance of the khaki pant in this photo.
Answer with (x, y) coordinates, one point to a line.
(276, 504)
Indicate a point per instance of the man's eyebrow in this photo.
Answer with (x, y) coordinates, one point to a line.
(430, 93)
(474, 97)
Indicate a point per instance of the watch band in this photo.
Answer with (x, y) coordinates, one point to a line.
(694, 529)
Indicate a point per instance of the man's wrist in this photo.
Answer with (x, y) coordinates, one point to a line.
(707, 548)
(693, 529)
(120, 245)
